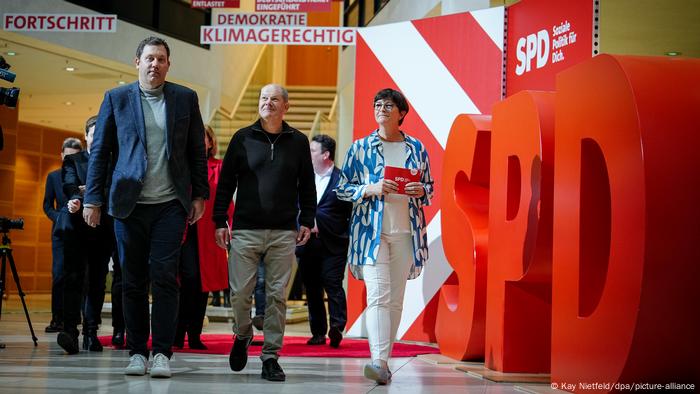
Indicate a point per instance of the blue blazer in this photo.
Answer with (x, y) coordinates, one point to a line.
(333, 217)
(120, 137)
(55, 204)
(54, 199)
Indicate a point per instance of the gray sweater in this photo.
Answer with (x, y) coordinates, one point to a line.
(157, 184)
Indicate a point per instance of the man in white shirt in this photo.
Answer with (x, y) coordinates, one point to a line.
(322, 260)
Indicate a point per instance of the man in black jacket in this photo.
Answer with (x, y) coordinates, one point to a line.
(269, 164)
(54, 206)
(322, 259)
(86, 249)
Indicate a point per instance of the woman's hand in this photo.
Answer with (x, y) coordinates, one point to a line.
(415, 189)
(384, 186)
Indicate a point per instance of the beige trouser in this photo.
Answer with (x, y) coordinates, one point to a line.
(276, 248)
(386, 284)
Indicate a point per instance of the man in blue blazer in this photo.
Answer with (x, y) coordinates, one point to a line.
(322, 260)
(152, 130)
(55, 206)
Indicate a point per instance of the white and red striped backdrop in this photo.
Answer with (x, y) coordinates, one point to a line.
(445, 66)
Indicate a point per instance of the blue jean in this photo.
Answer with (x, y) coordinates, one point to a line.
(149, 242)
(260, 291)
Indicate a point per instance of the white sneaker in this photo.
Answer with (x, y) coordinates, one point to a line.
(161, 366)
(137, 366)
(376, 373)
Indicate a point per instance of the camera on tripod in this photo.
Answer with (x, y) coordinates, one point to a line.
(7, 224)
(8, 96)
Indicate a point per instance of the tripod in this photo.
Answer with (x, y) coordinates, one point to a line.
(6, 254)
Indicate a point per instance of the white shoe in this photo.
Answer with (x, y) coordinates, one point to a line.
(137, 366)
(161, 366)
(376, 373)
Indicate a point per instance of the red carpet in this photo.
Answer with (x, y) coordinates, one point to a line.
(297, 347)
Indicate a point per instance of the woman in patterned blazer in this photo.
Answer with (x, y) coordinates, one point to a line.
(388, 242)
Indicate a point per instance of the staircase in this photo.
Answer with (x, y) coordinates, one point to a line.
(304, 104)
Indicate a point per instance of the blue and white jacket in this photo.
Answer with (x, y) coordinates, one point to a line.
(364, 165)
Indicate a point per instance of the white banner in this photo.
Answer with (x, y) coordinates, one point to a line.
(293, 35)
(60, 22)
(261, 19)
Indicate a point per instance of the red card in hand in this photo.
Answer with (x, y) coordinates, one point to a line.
(402, 176)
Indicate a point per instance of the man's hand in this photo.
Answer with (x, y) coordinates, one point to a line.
(223, 237)
(415, 189)
(303, 235)
(196, 211)
(92, 216)
(73, 205)
(384, 186)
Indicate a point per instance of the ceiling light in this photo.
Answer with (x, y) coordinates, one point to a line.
(68, 103)
(673, 53)
(70, 69)
(11, 53)
(121, 82)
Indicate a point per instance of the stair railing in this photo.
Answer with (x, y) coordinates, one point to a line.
(246, 85)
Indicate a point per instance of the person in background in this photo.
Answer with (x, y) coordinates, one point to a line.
(216, 296)
(322, 259)
(259, 297)
(269, 165)
(87, 252)
(203, 266)
(54, 205)
(388, 236)
(153, 131)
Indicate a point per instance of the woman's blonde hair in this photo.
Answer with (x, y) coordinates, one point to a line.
(212, 136)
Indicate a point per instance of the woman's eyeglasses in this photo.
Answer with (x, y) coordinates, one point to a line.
(387, 106)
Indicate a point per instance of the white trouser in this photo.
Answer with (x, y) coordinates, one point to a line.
(386, 282)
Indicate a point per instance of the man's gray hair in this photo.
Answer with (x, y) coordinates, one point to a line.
(285, 93)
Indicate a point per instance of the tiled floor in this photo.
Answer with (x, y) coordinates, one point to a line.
(47, 369)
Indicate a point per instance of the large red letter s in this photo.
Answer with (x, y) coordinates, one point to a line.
(461, 312)
(626, 212)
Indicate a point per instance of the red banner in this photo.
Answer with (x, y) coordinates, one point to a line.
(545, 37)
(292, 5)
(216, 3)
